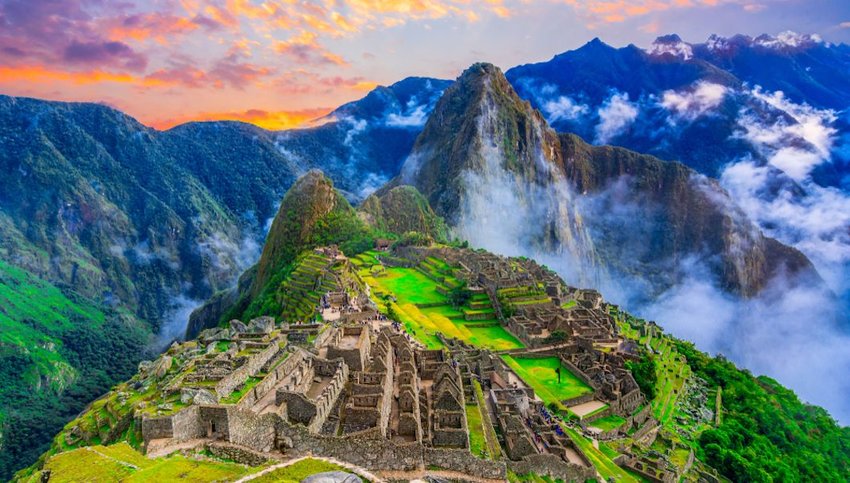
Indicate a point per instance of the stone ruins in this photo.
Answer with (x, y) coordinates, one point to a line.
(359, 388)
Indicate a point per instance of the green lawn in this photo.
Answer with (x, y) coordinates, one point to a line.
(120, 462)
(608, 422)
(409, 286)
(539, 373)
(477, 443)
(494, 337)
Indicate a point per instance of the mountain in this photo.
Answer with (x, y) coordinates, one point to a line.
(700, 104)
(401, 210)
(487, 164)
(362, 144)
(503, 179)
(313, 213)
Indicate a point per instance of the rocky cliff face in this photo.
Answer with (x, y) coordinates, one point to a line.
(648, 217)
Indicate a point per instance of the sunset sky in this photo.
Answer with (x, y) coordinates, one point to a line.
(281, 63)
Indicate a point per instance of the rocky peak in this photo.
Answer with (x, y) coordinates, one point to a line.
(491, 166)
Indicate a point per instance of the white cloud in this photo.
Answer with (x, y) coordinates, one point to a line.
(816, 222)
(787, 332)
(693, 103)
(795, 143)
(563, 109)
(615, 115)
(357, 126)
(415, 115)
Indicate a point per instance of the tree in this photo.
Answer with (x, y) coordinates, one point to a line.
(644, 372)
(459, 295)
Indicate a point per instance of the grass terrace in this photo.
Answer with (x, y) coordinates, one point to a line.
(120, 462)
(425, 312)
(477, 441)
(539, 373)
(608, 422)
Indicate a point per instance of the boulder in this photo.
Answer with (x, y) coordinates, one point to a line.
(333, 477)
(238, 326)
(214, 334)
(161, 366)
(197, 396)
(261, 325)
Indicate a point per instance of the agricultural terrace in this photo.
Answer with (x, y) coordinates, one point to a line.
(417, 298)
(672, 373)
(539, 373)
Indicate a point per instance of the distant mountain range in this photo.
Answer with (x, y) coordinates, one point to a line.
(143, 225)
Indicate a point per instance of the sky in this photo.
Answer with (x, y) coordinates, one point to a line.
(283, 63)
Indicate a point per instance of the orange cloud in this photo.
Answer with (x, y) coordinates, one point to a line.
(158, 26)
(305, 49)
(272, 120)
(42, 74)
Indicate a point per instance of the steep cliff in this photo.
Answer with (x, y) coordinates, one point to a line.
(648, 216)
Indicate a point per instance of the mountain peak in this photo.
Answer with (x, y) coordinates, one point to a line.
(309, 201)
(671, 45)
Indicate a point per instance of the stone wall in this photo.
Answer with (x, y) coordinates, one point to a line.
(376, 453)
(157, 428)
(187, 425)
(579, 399)
(355, 358)
(242, 456)
(463, 461)
(552, 466)
(252, 431)
(578, 372)
(270, 381)
(645, 429)
(254, 363)
(214, 421)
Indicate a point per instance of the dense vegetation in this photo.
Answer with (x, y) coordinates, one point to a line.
(57, 354)
(767, 433)
(645, 372)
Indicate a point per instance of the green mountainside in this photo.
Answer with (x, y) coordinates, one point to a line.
(58, 351)
(403, 209)
(707, 420)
